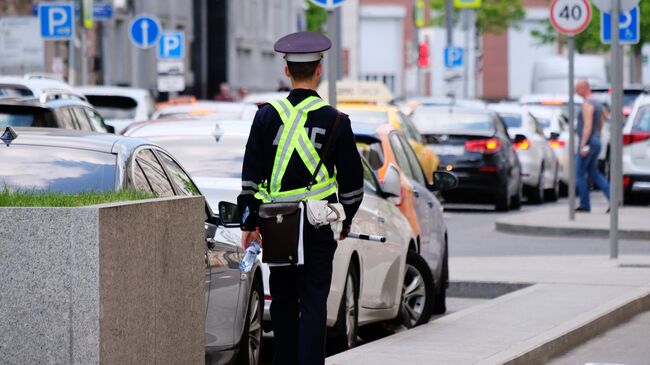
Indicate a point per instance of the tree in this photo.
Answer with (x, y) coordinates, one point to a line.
(316, 18)
(494, 16)
(589, 40)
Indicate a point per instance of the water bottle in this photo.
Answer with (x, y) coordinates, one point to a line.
(250, 255)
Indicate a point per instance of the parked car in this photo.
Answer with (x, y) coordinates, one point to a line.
(368, 278)
(253, 101)
(120, 106)
(199, 109)
(473, 144)
(68, 161)
(384, 147)
(44, 89)
(56, 113)
(630, 93)
(636, 153)
(539, 165)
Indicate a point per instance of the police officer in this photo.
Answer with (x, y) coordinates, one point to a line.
(299, 292)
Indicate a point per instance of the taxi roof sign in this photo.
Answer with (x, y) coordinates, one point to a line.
(350, 91)
(467, 4)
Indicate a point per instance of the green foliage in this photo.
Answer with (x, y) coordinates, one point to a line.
(35, 198)
(494, 16)
(316, 18)
(589, 40)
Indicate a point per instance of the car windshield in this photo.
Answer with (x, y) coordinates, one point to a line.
(56, 169)
(511, 120)
(114, 107)
(205, 155)
(457, 122)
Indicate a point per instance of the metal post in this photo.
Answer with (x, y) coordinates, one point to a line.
(332, 58)
(449, 8)
(172, 27)
(71, 61)
(572, 132)
(84, 56)
(615, 139)
(467, 16)
(204, 49)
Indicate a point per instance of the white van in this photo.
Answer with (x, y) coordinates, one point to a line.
(551, 74)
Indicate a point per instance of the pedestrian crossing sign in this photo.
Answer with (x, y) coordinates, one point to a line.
(467, 4)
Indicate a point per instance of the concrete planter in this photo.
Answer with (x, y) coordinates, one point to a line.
(107, 284)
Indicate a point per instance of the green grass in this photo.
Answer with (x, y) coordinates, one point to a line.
(49, 199)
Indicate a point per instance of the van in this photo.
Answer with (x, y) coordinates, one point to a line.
(551, 74)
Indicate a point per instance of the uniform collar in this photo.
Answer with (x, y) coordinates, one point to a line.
(303, 93)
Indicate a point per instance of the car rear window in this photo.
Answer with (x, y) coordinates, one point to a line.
(114, 107)
(642, 121)
(511, 120)
(18, 116)
(56, 169)
(445, 123)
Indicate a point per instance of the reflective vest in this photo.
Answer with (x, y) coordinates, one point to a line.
(294, 138)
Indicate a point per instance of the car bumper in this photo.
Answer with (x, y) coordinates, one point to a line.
(475, 187)
(637, 184)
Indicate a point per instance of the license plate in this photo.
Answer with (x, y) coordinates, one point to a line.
(447, 150)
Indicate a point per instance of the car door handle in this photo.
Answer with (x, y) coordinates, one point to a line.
(430, 204)
(416, 193)
(381, 219)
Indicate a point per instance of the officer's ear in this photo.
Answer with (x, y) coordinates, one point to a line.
(286, 71)
(319, 70)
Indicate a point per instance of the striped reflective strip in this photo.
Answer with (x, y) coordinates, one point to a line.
(351, 201)
(309, 160)
(351, 194)
(249, 185)
(246, 192)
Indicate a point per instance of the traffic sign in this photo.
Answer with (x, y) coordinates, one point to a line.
(171, 77)
(629, 27)
(57, 20)
(605, 6)
(453, 57)
(171, 45)
(467, 4)
(101, 11)
(328, 4)
(144, 31)
(570, 16)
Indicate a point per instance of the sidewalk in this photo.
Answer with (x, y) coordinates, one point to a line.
(634, 222)
(572, 299)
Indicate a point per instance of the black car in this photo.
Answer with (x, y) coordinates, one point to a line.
(68, 161)
(473, 144)
(66, 113)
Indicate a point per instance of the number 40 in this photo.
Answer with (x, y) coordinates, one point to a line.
(574, 13)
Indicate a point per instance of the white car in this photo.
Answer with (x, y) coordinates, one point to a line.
(636, 153)
(45, 89)
(556, 130)
(252, 102)
(539, 165)
(371, 281)
(222, 110)
(119, 106)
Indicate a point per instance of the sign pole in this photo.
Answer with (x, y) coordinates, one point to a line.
(572, 132)
(332, 72)
(615, 139)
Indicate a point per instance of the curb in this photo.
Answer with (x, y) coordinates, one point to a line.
(529, 229)
(482, 289)
(582, 333)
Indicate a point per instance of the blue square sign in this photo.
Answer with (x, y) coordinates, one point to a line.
(453, 57)
(629, 27)
(57, 20)
(171, 45)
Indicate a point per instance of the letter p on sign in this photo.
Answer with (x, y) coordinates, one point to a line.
(171, 45)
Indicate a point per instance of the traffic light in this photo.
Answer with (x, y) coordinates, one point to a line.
(423, 59)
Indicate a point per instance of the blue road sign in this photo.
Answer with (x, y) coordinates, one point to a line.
(101, 11)
(57, 20)
(171, 45)
(629, 27)
(328, 4)
(144, 31)
(453, 57)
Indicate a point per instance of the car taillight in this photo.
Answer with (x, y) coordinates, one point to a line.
(491, 145)
(556, 144)
(268, 297)
(627, 111)
(626, 181)
(522, 145)
(630, 138)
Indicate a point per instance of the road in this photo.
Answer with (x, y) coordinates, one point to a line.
(472, 233)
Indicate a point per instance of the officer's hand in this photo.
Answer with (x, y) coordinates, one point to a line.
(344, 233)
(249, 236)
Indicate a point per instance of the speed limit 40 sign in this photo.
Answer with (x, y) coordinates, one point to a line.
(570, 16)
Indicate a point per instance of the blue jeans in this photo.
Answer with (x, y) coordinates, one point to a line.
(588, 165)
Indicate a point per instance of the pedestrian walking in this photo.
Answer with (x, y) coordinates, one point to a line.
(300, 155)
(590, 123)
(224, 93)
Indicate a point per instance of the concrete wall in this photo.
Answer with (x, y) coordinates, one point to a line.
(110, 284)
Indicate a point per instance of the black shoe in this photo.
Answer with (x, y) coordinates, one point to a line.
(583, 210)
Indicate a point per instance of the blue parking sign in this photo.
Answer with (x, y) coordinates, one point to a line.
(144, 31)
(171, 45)
(629, 27)
(453, 57)
(57, 20)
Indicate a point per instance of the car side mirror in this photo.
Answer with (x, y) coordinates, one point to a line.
(443, 180)
(392, 186)
(519, 138)
(110, 129)
(229, 214)
(554, 136)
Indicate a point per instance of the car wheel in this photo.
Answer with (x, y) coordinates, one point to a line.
(536, 193)
(502, 204)
(564, 189)
(250, 345)
(554, 193)
(517, 198)
(440, 296)
(347, 322)
(416, 305)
